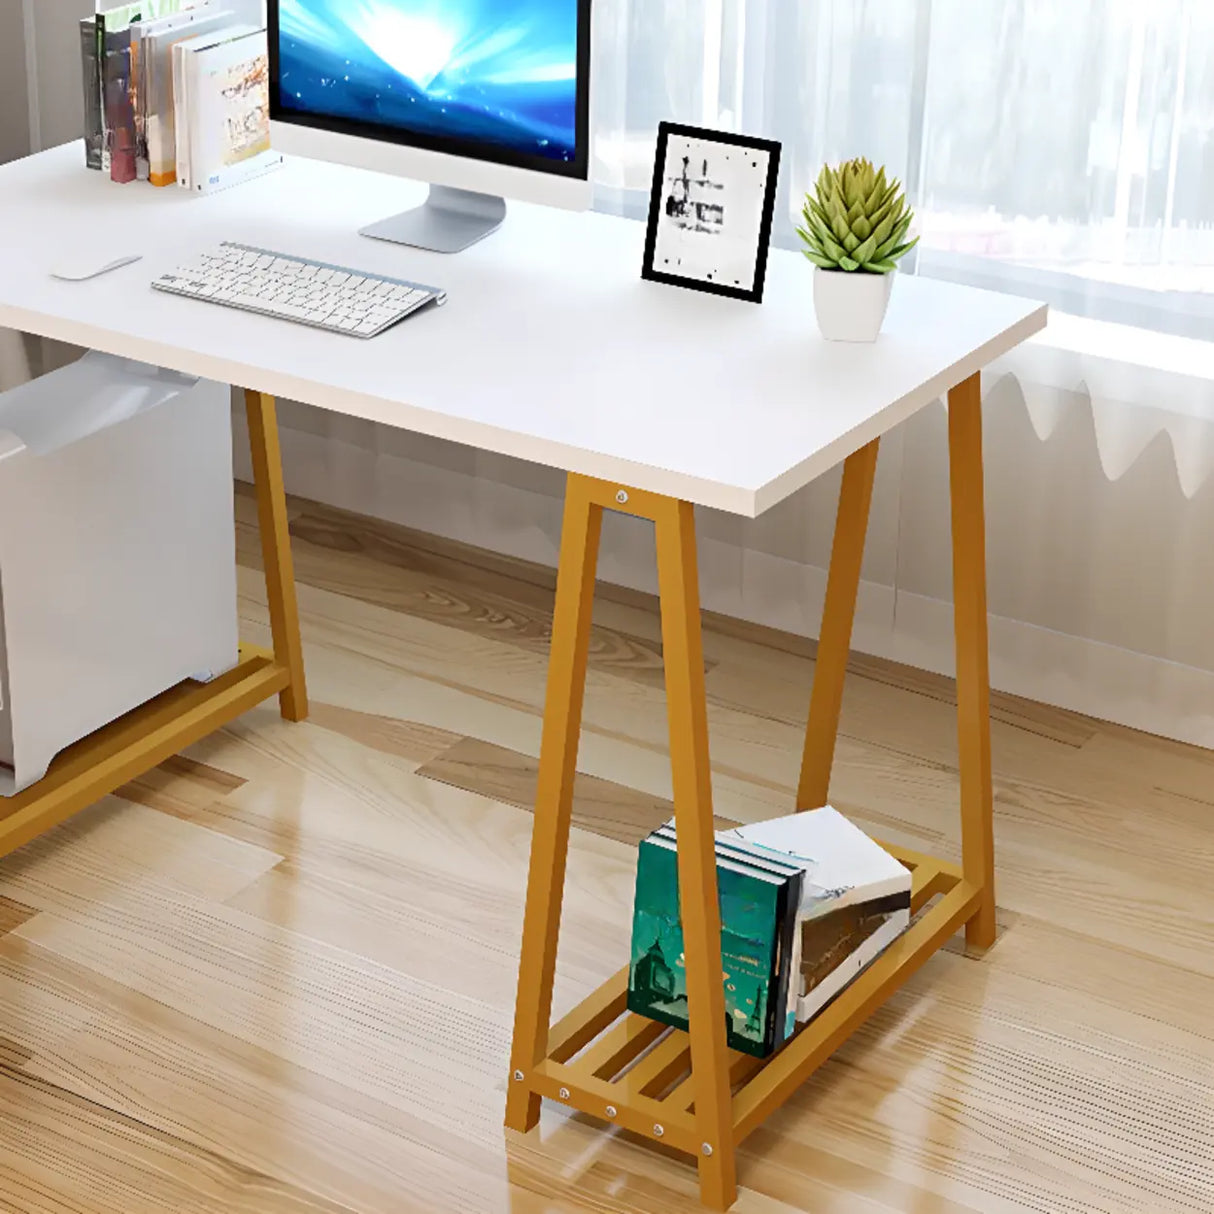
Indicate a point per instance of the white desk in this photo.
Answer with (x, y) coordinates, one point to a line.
(653, 400)
(551, 349)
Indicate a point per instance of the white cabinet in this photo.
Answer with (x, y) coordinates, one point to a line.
(117, 550)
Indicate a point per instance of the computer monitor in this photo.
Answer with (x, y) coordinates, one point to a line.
(480, 98)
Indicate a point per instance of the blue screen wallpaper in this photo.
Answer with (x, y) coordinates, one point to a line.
(500, 72)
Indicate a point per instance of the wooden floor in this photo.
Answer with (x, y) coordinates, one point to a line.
(277, 975)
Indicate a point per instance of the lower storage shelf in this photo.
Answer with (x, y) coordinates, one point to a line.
(97, 765)
(636, 1073)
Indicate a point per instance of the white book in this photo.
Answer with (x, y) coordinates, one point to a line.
(229, 109)
(143, 34)
(843, 866)
(184, 52)
(809, 1005)
(162, 108)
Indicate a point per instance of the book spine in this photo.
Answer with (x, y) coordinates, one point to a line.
(139, 102)
(105, 130)
(162, 151)
(120, 117)
(181, 115)
(91, 81)
(777, 1001)
(788, 988)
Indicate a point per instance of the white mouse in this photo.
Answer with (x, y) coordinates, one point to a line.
(85, 267)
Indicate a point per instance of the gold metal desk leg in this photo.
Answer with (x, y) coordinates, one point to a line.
(580, 531)
(276, 550)
(674, 523)
(834, 644)
(687, 710)
(973, 674)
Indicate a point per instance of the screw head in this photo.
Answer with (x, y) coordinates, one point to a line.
(611, 1110)
(518, 1076)
(706, 1148)
(564, 1093)
(658, 1131)
(622, 496)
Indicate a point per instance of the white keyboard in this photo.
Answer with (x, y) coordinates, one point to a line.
(335, 298)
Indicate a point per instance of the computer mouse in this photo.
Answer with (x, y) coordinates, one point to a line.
(85, 267)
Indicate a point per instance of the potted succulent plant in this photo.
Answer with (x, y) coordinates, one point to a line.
(855, 233)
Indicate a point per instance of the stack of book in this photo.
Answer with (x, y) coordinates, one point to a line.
(176, 92)
(807, 902)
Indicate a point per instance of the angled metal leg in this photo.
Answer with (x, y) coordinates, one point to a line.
(276, 550)
(834, 643)
(973, 673)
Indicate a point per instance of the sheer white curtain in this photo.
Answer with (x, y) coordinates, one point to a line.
(1060, 148)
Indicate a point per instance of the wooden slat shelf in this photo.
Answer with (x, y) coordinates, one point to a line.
(137, 742)
(598, 1062)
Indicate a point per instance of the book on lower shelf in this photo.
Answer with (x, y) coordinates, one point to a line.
(807, 902)
(756, 902)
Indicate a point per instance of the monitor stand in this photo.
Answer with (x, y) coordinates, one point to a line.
(448, 221)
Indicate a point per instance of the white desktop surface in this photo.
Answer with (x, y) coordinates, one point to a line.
(551, 348)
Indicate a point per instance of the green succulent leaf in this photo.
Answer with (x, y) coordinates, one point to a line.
(862, 252)
(885, 226)
(833, 249)
(848, 263)
(824, 263)
(822, 230)
(881, 267)
(902, 249)
(895, 238)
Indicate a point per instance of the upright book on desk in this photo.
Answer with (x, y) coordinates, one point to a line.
(227, 99)
(90, 67)
(161, 118)
(176, 16)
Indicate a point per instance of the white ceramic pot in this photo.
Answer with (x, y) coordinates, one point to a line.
(851, 307)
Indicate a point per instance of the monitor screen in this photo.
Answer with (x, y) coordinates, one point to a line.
(501, 80)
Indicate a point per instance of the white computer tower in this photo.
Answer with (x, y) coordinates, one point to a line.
(117, 550)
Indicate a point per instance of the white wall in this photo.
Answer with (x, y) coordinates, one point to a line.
(14, 112)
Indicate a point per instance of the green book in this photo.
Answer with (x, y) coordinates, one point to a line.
(755, 907)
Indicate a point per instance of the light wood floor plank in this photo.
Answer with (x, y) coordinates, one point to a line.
(612, 810)
(13, 914)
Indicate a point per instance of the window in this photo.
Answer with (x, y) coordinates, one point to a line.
(1064, 150)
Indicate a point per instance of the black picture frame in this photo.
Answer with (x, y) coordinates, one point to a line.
(711, 281)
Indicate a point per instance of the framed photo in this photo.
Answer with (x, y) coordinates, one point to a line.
(710, 211)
